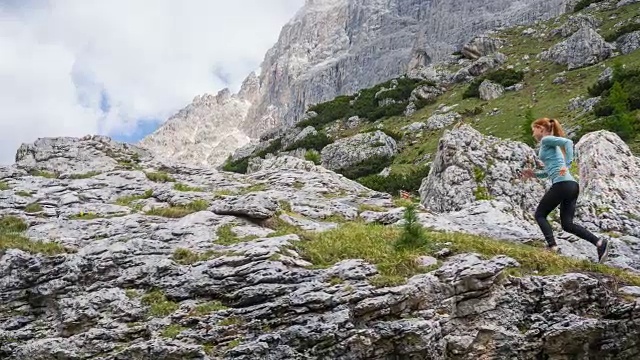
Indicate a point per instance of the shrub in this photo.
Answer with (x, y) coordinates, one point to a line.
(316, 141)
(237, 166)
(582, 4)
(625, 29)
(370, 166)
(313, 156)
(394, 183)
(504, 77)
(413, 235)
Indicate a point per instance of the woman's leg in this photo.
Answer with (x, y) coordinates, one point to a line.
(567, 211)
(549, 201)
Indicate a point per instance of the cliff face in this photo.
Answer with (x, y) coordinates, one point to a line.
(336, 47)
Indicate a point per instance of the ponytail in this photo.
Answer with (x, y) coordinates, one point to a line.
(554, 127)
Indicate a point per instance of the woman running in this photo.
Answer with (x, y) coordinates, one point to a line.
(556, 153)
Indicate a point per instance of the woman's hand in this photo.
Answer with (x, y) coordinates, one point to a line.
(527, 174)
(563, 171)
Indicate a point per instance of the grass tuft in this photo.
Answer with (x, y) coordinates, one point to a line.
(178, 211)
(158, 303)
(11, 237)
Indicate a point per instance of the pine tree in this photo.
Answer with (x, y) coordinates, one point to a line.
(622, 120)
(526, 135)
(413, 235)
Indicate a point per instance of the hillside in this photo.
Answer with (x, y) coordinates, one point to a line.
(534, 88)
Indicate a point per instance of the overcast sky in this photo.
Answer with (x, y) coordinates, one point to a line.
(120, 67)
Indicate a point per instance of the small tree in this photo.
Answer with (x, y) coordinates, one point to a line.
(622, 120)
(413, 234)
(525, 134)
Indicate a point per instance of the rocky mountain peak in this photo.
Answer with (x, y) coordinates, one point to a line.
(337, 47)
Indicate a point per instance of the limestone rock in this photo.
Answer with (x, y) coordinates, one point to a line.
(353, 150)
(469, 166)
(489, 90)
(481, 46)
(585, 47)
(439, 121)
(628, 43)
(576, 22)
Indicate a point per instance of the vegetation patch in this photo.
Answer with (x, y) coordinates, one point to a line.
(158, 303)
(12, 237)
(172, 331)
(227, 237)
(187, 257)
(208, 308)
(504, 77)
(84, 216)
(373, 165)
(33, 208)
(4, 186)
(313, 156)
(45, 174)
(159, 176)
(623, 30)
(365, 104)
(23, 193)
(182, 187)
(582, 4)
(238, 166)
(315, 141)
(396, 182)
(86, 175)
(178, 211)
(128, 200)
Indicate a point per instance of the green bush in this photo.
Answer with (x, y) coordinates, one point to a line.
(394, 183)
(316, 141)
(365, 104)
(504, 77)
(313, 156)
(625, 29)
(239, 166)
(413, 235)
(370, 166)
(584, 3)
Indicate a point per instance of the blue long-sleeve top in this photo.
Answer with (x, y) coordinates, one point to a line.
(551, 155)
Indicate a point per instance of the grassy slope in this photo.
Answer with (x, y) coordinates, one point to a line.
(551, 100)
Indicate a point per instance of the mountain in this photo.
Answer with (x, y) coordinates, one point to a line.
(331, 48)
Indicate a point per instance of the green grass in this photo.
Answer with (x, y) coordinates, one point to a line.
(85, 175)
(375, 244)
(85, 216)
(159, 176)
(33, 208)
(128, 200)
(252, 188)
(178, 211)
(12, 237)
(172, 331)
(42, 173)
(187, 257)
(158, 304)
(4, 186)
(226, 236)
(183, 187)
(23, 193)
(208, 308)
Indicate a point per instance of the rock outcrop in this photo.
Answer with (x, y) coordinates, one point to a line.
(338, 47)
(356, 149)
(585, 47)
(203, 132)
(118, 260)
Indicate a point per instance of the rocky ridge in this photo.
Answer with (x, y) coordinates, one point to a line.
(333, 48)
(114, 254)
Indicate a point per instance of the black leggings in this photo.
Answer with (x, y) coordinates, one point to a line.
(565, 194)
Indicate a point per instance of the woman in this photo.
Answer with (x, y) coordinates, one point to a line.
(556, 153)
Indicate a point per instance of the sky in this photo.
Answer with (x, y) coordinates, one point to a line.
(122, 67)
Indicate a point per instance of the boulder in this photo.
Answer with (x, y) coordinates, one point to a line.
(353, 150)
(585, 47)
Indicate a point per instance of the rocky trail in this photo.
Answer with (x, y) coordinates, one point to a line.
(106, 253)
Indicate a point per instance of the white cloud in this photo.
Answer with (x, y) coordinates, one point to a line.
(148, 58)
